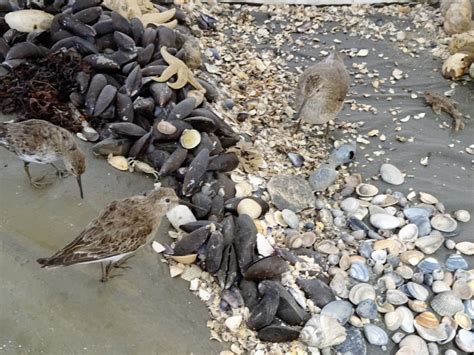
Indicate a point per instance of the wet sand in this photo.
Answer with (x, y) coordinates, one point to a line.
(68, 310)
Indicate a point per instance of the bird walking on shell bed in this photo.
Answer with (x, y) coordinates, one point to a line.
(41, 142)
(120, 230)
(321, 91)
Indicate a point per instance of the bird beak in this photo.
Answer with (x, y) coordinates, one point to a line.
(78, 178)
(186, 203)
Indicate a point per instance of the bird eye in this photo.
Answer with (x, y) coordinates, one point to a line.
(167, 200)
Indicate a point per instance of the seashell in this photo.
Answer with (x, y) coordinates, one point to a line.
(466, 248)
(184, 259)
(322, 331)
(408, 233)
(444, 223)
(223, 162)
(367, 309)
(118, 162)
(343, 154)
(465, 340)
(359, 272)
(417, 306)
(392, 245)
(439, 286)
(428, 265)
(191, 242)
(278, 332)
(339, 310)
(124, 106)
(391, 175)
(407, 319)
(437, 334)
(263, 246)
(290, 218)
(373, 209)
(396, 297)
(428, 198)
(233, 323)
(243, 189)
(384, 221)
(456, 262)
(427, 320)
(266, 268)
(384, 200)
(462, 289)
(195, 172)
(308, 239)
(392, 320)
(361, 292)
(366, 190)
(250, 207)
(350, 204)
(447, 304)
(412, 345)
(165, 127)
(404, 271)
(338, 285)
(327, 247)
(386, 282)
(29, 20)
(462, 216)
(296, 159)
(469, 308)
(463, 320)
(430, 243)
(190, 138)
(423, 225)
(417, 291)
(294, 241)
(379, 256)
(375, 335)
(354, 343)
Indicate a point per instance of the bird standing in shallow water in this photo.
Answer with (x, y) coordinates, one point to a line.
(121, 229)
(321, 91)
(38, 141)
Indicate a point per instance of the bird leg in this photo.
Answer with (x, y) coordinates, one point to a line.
(326, 133)
(297, 116)
(106, 269)
(35, 183)
(120, 264)
(61, 173)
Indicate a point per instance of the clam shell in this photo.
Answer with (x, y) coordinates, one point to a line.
(384, 200)
(466, 248)
(322, 331)
(338, 285)
(393, 320)
(456, 262)
(444, 223)
(339, 310)
(428, 198)
(367, 190)
(430, 243)
(390, 174)
(447, 304)
(384, 221)
(29, 20)
(437, 334)
(375, 335)
(118, 162)
(439, 286)
(418, 291)
(463, 320)
(462, 216)
(367, 309)
(165, 127)
(327, 247)
(396, 297)
(417, 306)
(407, 319)
(462, 290)
(308, 239)
(465, 340)
(361, 292)
(243, 189)
(190, 138)
(250, 207)
(427, 320)
(359, 272)
(408, 233)
(412, 345)
(413, 212)
(428, 265)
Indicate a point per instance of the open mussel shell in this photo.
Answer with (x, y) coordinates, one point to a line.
(190, 138)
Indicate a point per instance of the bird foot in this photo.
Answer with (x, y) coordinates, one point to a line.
(39, 183)
(108, 277)
(121, 263)
(62, 174)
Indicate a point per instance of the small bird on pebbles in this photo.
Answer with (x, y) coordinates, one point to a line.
(38, 141)
(120, 230)
(321, 91)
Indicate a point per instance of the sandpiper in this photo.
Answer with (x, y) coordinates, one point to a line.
(120, 230)
(38, 141)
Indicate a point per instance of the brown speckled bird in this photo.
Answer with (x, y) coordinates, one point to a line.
(321, 91)
(38, 141)
(120, 230)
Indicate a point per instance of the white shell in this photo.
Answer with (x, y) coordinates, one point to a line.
(384, 200)
(396, 297)
(444, 223)
(393, 320)
(249, 207)
(361, 292)
(157, 247)
(190, 138)
(243, 189)
(322, 331)
(384, 221)
(406, 319)
(263, 245)
(462, 216)
(233, 323)
(430, 243)
(466, 248)
(415, 344)
(166, 127)
(408, 233)
(180, 215)
(418, 291)
(375, 335)
(465, 340)
(350, 204)
(390, 174)
(29, 20)
(367, 190)
(428, 198)
(447, 304)
(118, 162)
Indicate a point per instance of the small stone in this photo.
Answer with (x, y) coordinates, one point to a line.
(362, 53)
(367, 309)
(391, 174)
(290, 218)
(290, 192)
(233, 323)
(180, 215)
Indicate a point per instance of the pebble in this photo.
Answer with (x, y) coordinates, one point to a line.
(290, 218)
(180, 215)
(391, 174)
(290, 192)
(367, 309)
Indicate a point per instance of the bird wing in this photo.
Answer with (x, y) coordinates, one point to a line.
(118, 229)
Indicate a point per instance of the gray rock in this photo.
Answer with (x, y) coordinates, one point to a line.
(291, 192)
(343, 155)
(323, 177)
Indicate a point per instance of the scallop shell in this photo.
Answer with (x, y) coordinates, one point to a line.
(447, 304)
(444, 223)
(118, 162)
(428, 198)
(249, 207)
(396, 297)
(360, 292)
(190, 138)
(462, 216)
(466, 248)
(463, 320)
(366, 190)
(375, 335)
(408, 233)
(418, 291)
(29, 20)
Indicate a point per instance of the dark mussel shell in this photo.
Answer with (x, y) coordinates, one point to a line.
(166, 37)
(144, 106)
(191, 242)
(123, 57)
(217, 207)
(24, 50)
(316, 290)
(195, 172)
(105, 98)
(153, 70)
(161, 93)
(124, 42)
(157, 158)
(84, 4)
(278, 332)
(224, 162)
(149, 36)
(229, 141)
(121, 23)
(127, 129)
(174, 162)
(182, 109)
(83, 79)
(106, 42)
(245, 241)
(76, 99)
(204, 202)
(215, 248)
(227, 185)
(249, 291)
(192, 226)
(270, 267)
(145, 54)
(104, 27)
(124, 107)
(139, 146)
(89, 15)
(68, 22)
(81, 45)
(228, 229)
(96, 85)
(101, 63)
(133, 83)
(201, 123)
(264, 312)
(212, 94)
(137, 29)
(233, 297)
(227, 273)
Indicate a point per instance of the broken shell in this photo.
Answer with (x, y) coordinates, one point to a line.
(118, 162)
(233, 323)
(243, 189)
(466, 248)
(29, 20)
(361, 292)
(408, 233)
(250, 207)
(462, 216)
(463, 320)
(465, 340)
(427, 320)
(390, 174)
(444, 223)
(447, 304)
(190, 138)
(412, 257)
(184, 259)
(366, 190)
(428, 198)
